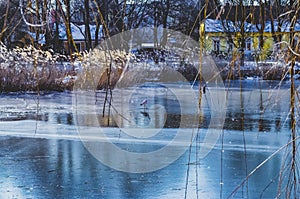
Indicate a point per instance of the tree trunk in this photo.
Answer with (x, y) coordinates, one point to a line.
(262, 22)
(88, 37)
(294, 182)
(72, 47)
(165, 21)
(273, 31)
(243, 39)
(5, 21)
(37, 13)
(44, 18)
(97, 33)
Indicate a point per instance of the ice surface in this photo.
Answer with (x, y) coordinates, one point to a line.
(42, 155)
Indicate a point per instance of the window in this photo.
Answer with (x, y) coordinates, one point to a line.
(216, 45)
(248, 44)
(296, 41)
(229, 46)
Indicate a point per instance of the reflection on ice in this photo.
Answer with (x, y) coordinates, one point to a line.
(60, 168)
(48, 107)
(264, 110)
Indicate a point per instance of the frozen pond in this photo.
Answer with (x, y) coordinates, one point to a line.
(42, 155)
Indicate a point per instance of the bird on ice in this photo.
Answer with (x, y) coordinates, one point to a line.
(144, 113)
(144, 102)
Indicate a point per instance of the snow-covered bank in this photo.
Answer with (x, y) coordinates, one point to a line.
(266, 70)
(30, 69)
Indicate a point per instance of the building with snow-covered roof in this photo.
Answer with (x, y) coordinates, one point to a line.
(224, 37)
(78, 35)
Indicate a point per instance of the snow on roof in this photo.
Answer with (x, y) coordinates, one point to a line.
(212, 25)
(78, 32)
(41, 39)
(285, 27)
(297, 26)
(215, 26)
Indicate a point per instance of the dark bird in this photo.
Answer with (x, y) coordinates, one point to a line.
(145, 114)
(144, 102)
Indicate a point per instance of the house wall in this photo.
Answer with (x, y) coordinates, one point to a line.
(263, 53)
(223, 43)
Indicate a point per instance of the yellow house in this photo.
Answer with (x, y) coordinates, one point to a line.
(223, 38)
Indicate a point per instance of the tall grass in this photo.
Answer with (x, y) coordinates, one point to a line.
(30, 69)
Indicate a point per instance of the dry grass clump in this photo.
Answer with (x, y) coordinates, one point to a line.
(101, 69)
(23, 69)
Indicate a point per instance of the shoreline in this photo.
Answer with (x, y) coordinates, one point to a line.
(65, 80)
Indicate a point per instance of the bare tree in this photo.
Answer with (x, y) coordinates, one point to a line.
(87, 24)
(13, 28)
(67, 21)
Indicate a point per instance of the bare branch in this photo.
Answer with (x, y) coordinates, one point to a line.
(25, 20)
(289, 47)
